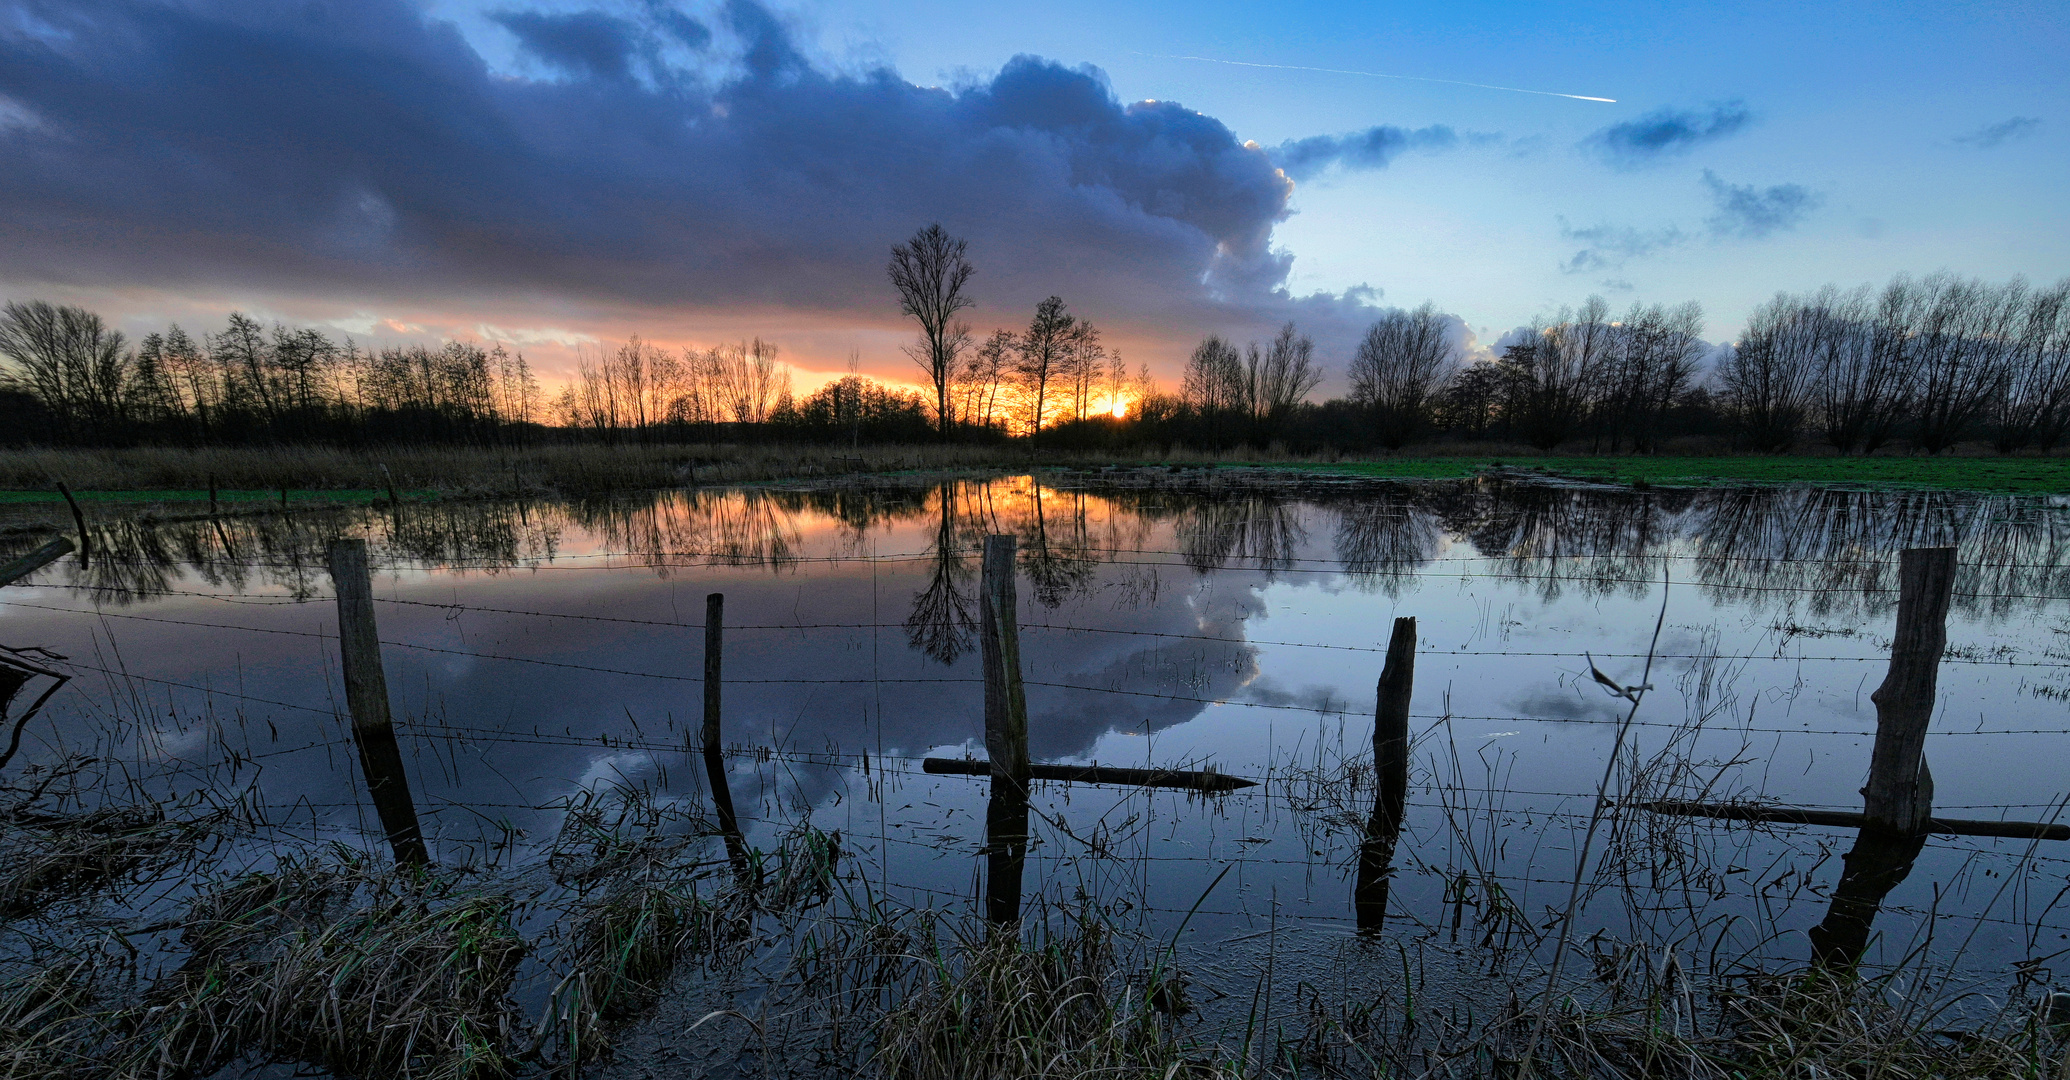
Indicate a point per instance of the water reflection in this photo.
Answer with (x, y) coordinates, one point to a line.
(1878, 863)
(1144, 609)
(1833, 550)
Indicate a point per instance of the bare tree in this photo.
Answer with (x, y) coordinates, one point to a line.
(1214, 381)
(1044, 350)
(1283, 377)
(1960, 359)
(69, 359)
(1401, 363)
(1768, 381)
(929, 272)
(2035, 408)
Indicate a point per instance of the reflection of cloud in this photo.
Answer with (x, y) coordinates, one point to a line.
(2000, 133)
(1572, 703)
(1751, 213)
(1665, 132)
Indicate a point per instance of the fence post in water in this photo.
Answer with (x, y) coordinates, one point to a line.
(1391, 776)
(1899, 795)
(1006, 734)
(366, 693)
(714, 764)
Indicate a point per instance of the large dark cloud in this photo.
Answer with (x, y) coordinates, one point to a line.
(1665, 132)
(360, 147)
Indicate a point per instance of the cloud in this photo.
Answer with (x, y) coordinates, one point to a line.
(1373, 148)
(1750, 213)
(365, 151)
(2000, 133)
(1608, 247)
(1665, 132)
(581, 43)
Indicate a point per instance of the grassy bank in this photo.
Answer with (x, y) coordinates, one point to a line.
(321, 474)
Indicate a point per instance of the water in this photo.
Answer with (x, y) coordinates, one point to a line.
(1170, 620)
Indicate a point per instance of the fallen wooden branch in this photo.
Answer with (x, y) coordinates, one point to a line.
(1791, 815)
(35, 560)
(1191, 779)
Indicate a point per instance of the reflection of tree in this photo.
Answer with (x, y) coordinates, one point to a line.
(1385, 540)
(1057, 563)
(941, 623)
(1258, 528)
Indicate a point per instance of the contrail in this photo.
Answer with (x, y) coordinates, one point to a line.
(1380, 75)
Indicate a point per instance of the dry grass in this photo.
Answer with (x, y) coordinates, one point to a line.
(405, 984)
(45, 859)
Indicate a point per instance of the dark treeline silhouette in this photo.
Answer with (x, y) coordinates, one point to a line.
(1924, 363)
(68, 378)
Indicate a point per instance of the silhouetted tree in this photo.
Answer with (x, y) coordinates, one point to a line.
(929, 272)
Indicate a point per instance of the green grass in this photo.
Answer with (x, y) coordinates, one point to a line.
(2030, 475)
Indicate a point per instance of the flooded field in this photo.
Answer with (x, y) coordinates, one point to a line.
(545, 662)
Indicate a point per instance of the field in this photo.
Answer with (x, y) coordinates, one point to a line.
(304, 475)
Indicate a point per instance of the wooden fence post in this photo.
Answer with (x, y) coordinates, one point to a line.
(1006, 734)
(366, 693)
(1899, 794)
(79, 519)
(1391, 776)
(714, 764)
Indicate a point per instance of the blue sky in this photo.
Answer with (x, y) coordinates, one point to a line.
(1750, 148)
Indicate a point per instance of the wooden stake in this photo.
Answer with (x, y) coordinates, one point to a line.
(366, 693)
(1391, 776)
(1899, 795)
(79, 519)
(1006, 703)
(1006, 734)
(714, 763)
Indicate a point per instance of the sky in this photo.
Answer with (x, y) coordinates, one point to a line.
(561, 175)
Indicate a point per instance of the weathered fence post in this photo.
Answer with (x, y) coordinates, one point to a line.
(1391, 776)
(366, 694)
(714, 764)
(1006, 733)
(1899, 794)
(79, 519)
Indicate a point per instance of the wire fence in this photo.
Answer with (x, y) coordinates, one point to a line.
(1279, 793)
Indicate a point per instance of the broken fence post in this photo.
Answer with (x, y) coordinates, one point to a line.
(366, 694)
(1899, 795)
(1391, 776)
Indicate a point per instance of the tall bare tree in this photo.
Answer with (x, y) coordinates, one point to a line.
(1282, 376)
(929, 272)
(1044, 352)
(1768, 381)
(1401, 364)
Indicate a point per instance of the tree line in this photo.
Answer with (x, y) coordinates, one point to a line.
(1925, 362)
(69, 378)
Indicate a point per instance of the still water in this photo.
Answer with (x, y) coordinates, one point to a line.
(535, 651)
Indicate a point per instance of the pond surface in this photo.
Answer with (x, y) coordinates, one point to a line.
(1173, 620)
